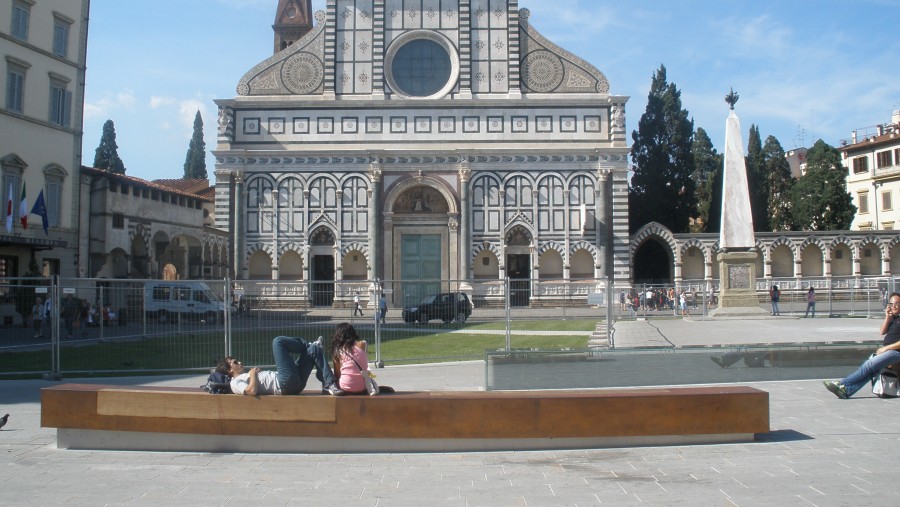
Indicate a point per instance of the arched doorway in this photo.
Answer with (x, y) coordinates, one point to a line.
(420, 247)
(322, 243)
(519, 243)
(653, 261)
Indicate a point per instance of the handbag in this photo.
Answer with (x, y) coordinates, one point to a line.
(885, 384)
(369, 377)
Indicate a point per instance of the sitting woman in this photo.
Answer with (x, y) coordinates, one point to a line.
(350, 359)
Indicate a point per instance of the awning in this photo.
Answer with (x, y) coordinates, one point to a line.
(36, 243)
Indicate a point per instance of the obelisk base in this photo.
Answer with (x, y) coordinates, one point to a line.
(737, 290)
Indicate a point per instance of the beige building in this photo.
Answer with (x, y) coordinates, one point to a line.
(44, 46)
(872, 159)
(150, 229)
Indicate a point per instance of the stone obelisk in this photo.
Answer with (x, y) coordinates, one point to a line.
(737, 260)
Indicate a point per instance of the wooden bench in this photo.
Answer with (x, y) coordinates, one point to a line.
(90, 416)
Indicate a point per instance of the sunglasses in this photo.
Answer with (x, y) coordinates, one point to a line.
(234, 362)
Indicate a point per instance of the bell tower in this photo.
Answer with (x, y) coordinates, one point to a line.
(293, 20)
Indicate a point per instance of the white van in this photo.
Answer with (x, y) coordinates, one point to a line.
(164, 301)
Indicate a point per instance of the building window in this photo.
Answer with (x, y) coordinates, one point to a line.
(20, 13)
(60, 103)
(15, 90)
(61, 37)
(421, 64)
(118, 221)
(9, 266)
(838, 254)
(54, 201)
(886, 201)
(884, 159)
(50, 267)
(863, 198)
(15, 87)
(860, 165)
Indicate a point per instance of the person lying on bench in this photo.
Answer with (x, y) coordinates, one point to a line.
(290, 376)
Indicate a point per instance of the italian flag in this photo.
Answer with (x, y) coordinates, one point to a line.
(23, 208)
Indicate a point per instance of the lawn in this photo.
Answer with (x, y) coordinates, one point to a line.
(198, 350)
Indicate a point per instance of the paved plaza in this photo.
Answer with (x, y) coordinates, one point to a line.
(821, 451)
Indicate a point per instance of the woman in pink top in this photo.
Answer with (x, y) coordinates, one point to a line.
(345, 348)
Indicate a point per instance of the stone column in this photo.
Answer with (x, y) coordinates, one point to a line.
(240, 242)
(465, 231)
(376, 238)
(601, 210)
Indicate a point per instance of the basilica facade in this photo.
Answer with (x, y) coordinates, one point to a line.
(416, 141)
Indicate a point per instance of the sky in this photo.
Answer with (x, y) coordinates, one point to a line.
(804, 69)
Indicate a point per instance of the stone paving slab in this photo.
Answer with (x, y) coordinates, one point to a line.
(822, 451)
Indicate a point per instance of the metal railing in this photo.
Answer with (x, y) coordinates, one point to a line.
(106, 326)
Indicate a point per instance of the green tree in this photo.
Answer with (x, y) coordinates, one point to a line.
(779, 184)
(195, 160)
(707, 169)
(661, 188)
(107, 154)
(756, 181)
(820, 198)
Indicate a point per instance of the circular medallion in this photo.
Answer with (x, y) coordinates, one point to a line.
(543, 71)
(302, 73)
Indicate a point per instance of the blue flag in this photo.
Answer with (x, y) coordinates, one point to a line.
(40, 209)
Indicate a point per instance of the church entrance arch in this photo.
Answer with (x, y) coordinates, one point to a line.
(421, 238)
(653, 261)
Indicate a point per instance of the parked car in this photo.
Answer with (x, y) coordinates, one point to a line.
(447, 306)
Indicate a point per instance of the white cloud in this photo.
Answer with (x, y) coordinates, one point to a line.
(158, 102)
(107, 106)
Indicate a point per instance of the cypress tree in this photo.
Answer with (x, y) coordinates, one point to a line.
(195, 160)
(707, 169)
(756, 181)
(779, 184)
(106, 156)
(661, 188)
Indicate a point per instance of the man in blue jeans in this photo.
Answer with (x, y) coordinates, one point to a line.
(290, 375)
(886, 355)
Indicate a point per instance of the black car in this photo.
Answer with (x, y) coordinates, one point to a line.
(447, 306)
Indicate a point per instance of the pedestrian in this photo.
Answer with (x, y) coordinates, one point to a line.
(47, 319)
(382, 308)
(886, 355)
(775, 295)
(70, 310)
(810, 302)
(357, 306)
(37, 315)
(682, 302)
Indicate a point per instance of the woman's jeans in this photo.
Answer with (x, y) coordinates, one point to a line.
(292, 375)
(775, 307)
(867, 371)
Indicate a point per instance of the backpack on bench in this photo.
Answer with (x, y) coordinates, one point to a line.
(217, 383)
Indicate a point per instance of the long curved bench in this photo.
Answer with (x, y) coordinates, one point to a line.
(91, 416)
